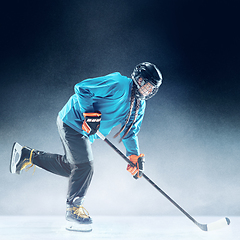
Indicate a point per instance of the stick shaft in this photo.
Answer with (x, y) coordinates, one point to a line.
(147, 178)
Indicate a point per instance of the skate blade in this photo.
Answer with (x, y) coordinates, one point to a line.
(74, 226)
(15, 156)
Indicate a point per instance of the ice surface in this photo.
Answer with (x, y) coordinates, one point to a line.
(115, 227)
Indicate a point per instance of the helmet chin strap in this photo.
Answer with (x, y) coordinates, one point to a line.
(137, 86)
(136, 82)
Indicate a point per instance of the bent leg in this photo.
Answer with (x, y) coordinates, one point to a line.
(53, 163)
(77, 150)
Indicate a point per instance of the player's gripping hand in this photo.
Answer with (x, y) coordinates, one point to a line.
(91, 122)
(138, 169)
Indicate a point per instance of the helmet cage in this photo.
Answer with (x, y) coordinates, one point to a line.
(144, 93)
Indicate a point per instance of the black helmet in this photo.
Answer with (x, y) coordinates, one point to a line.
(148, 73)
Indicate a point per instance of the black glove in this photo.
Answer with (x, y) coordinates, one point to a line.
(91, 122)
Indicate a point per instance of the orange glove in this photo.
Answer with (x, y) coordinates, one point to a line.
(91, 122)
(138, 161)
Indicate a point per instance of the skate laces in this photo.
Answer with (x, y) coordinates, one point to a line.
(27, 162)
(80, 212)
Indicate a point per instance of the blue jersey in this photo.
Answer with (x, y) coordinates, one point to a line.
(111, 96)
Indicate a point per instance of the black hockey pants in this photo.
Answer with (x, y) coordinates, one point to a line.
(76, 164)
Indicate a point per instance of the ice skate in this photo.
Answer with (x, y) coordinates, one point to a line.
(21, 157)
(78, 219)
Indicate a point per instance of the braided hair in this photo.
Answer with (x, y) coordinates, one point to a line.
(132, 101)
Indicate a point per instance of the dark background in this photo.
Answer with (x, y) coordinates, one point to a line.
(190, 133)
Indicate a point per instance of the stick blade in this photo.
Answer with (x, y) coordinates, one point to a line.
(224, 222)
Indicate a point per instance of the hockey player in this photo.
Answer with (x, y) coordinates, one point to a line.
(98, 104)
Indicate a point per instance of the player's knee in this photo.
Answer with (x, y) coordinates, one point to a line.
(86, 167)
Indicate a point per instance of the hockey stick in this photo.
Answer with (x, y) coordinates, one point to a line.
(205, 227)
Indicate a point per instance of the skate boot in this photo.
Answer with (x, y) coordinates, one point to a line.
(21, 157)
(78, 218)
